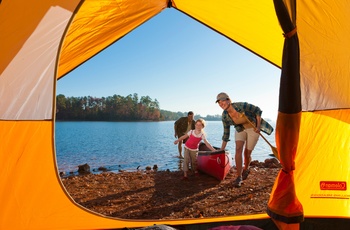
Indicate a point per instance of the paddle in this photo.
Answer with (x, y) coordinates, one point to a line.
(274, 149)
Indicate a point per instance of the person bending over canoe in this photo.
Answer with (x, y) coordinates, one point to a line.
(236, 114)
(191, 146)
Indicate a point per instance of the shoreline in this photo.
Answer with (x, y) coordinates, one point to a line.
(153, 194)
(86, 169)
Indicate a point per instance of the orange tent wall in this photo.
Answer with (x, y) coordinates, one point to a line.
(323, 156)
(41, 41)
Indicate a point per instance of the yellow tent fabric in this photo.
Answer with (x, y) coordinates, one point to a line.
(42, 40)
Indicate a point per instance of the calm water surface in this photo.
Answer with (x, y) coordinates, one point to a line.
(128, 145)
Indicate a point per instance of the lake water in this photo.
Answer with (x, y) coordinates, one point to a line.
(129, 145)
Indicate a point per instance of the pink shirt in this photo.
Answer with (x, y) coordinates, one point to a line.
(193, 140)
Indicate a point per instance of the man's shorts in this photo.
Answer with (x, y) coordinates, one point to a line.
(248, 135)
(180, 135)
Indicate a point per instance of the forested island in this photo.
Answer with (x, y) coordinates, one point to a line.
(115, 108)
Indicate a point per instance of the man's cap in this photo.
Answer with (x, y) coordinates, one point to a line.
(221, 97)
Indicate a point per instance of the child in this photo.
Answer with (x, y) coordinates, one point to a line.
(191, 146)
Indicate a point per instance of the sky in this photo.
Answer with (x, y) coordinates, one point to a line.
(181, 63)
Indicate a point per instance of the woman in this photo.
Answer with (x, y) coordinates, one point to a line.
(236, 114)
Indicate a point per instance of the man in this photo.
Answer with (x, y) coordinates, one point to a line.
(246, 136)
(181, 127)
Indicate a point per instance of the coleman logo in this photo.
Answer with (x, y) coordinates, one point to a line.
(333, 185)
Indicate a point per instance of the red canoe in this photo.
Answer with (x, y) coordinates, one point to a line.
(214, 163)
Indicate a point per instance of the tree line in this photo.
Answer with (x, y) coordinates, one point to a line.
(114, 108)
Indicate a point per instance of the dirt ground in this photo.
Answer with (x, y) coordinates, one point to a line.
(150, 194)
